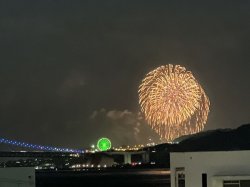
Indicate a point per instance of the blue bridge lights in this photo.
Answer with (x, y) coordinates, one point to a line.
(39, 147)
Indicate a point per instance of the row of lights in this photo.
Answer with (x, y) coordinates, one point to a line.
(134, 148)
(56, 149)
(87, 166)
(127, 148)
(39, 147)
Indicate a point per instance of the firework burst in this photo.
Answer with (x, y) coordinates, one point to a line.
(173, 102)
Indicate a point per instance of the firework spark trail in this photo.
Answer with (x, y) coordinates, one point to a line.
(173, 102)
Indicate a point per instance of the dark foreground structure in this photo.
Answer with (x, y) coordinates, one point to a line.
(109, 178)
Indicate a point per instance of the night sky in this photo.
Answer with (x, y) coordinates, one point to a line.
(70, 70)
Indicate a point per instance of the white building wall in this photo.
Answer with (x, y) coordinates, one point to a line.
(217, 165)
(17, 177)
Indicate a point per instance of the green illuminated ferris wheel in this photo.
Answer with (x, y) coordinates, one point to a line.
(104, 144)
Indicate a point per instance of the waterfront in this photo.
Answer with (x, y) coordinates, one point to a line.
(114, 177)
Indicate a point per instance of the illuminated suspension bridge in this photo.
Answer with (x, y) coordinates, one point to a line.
(39, 147)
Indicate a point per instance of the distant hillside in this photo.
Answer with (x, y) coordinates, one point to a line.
(213, 140)
(217, 140)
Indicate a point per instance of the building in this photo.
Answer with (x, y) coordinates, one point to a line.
(17, 177)
(210, 169)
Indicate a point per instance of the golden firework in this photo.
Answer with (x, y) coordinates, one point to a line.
(173, 102)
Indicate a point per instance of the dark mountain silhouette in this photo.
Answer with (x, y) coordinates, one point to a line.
(213, 140)
(217, 140)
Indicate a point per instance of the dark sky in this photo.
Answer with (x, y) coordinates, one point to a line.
(69, 70)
